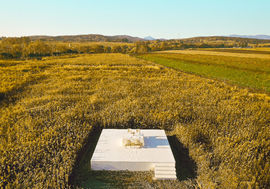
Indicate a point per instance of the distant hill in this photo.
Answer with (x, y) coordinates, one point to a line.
(149, 38)
(252, 36)
(129, 39)
(88, 38)
(223, 38)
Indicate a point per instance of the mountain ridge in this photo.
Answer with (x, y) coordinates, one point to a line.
(251, 36)
(87, 38)
(149, 38)
(131, 39)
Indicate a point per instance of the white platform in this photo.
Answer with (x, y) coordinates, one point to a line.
(155, 155)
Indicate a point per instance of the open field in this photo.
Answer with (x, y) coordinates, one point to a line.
(240, 50)
(52, 112)
(243, 69)
(222, 52)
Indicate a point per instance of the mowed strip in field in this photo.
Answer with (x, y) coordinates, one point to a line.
(244, 69)
(50, 109)
(260, 51)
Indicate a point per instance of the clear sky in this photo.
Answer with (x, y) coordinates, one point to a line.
(157, 18)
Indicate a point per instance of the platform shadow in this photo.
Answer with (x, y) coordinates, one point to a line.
(186, 168)
(81, 171)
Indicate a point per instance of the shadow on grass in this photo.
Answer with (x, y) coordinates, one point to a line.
(82, 176)
(186, 168)
(13, 95)
(2, 96)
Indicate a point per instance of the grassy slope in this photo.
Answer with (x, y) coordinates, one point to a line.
(46, 121)
(247, 72)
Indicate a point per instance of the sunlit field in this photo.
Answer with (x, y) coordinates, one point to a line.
(240, 50)
(246, 69)
(263, 54)
(53, 109)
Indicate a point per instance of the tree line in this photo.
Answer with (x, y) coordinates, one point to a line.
(24, 47)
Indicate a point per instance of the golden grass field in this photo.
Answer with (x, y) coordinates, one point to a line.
(51, 111)
(216, 53)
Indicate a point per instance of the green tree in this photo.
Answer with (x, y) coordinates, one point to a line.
(107, 49)
(116, 49)
(98, 48)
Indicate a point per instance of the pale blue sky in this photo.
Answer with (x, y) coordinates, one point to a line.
(158, 18)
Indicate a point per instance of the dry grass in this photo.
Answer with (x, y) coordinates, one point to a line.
(211, 52)
(47, 121)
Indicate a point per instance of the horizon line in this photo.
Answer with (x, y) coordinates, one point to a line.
(59, 35)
